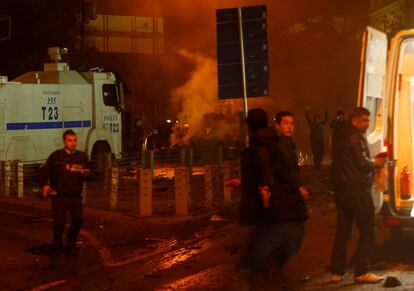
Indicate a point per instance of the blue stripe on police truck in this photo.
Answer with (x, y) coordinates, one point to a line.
(73, 124)
(48, 125)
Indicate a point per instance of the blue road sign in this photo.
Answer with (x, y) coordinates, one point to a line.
(255, 50)
(236, 90)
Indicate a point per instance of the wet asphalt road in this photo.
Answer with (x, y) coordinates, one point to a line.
(132, 254)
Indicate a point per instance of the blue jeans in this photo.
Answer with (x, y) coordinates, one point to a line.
(278, 241)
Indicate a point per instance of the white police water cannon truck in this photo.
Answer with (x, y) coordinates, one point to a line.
(37, 107)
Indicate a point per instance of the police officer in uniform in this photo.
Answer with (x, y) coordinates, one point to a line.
(62, 179)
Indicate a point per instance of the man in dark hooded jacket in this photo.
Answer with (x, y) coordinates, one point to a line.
(271, 199)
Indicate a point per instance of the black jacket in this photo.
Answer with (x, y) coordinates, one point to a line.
(352, 167)
(291, 170)
(267, 163)
(337, 127)
(63, 172)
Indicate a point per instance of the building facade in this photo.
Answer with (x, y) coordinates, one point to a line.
(128, 34)
(391, 16)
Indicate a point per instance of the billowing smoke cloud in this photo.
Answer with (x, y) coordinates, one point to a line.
(304, 70)
(196, 97)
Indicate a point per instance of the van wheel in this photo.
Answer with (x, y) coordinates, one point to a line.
(99, 158)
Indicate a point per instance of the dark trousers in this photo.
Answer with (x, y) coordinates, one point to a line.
(353, 207)
(61, 204)
(278, 241)
(317, 152)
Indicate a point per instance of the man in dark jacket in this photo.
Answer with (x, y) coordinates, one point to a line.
(285, 124)
(61, 178)
(353, 173)
(271, 200)
(317, 136)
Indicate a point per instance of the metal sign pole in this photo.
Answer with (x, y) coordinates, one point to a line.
(83, 31)
(243, 65)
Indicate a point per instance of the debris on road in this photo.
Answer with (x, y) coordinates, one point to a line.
(204, 233)
(233, 248)
(193, 247)
(217, 217)
(153, 276)
(304, 279)
(391, 282)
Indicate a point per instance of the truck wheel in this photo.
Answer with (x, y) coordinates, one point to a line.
(99, 158)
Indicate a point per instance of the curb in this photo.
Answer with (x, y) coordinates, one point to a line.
(112, 215)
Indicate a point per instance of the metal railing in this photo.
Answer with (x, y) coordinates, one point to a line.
(165, 182)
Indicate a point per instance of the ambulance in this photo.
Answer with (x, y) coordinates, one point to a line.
(387, 90)
(37, 107)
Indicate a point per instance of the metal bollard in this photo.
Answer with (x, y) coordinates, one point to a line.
(114, 188)
(186, 159)
(227, 165)
(2, 178)
(219, 156)
(84, 193)
(8, 173)
(147, 159)
(190, 160)
(143, 161)
(151, 160)
(208, 183)
(182, 190)
(183, 156)
(18, 182)
(145, 192)
(107, 179)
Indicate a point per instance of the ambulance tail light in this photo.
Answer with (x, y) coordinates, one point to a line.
(392, 221)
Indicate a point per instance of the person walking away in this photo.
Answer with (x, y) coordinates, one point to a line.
(270, 204)
(61, 179)
(317, 127)
(337, 125)
(353, 173)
